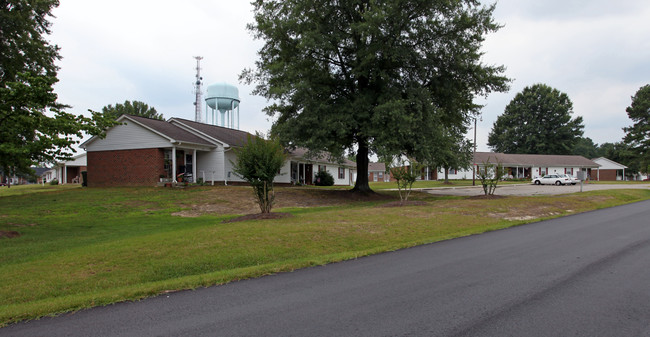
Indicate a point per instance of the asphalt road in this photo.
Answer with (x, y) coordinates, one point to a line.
(582, 275)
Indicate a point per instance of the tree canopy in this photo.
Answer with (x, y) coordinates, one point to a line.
(637, 136)
(537, 121)
(455, 152)
(586, 147)
(384, 77)
(136, 108)
(34, 129)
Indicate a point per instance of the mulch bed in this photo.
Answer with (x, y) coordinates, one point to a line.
(260, 216)
(9, 234)
(405, 203)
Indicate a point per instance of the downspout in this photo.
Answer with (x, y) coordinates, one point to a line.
(173, 164)
(225, 172)
(194, 167)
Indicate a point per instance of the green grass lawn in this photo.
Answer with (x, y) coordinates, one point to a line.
(85, 247)
(34, 188)
(618, 182)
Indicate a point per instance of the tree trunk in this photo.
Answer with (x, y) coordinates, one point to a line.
(361, 184)
(446, 175)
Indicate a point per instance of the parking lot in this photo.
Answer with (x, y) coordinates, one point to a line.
(529, 189)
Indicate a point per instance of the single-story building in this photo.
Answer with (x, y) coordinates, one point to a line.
(377, 172)
(143, 151)
(67, 172)
(303, 169)
(609, 170)
(528, 166)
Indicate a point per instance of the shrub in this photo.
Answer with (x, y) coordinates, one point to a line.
(489, 176)
(405, 176)
(258, 162)
(54, 182)
(324, 178)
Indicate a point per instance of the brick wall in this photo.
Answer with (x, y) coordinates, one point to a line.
(141, 167)
(605, 175)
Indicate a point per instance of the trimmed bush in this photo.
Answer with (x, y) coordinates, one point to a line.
(324, 178)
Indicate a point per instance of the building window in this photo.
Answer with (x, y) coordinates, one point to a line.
(341, 173)
(322, 168)
(568, 170)
(453, 171)
(381, 175)
(168, 162)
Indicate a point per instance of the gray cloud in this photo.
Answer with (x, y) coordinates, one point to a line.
(595, 51)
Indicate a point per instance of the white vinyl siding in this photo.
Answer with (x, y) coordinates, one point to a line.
(230, 155)
(284, 177)
(334, 171)
(128, 137)
(209, 164)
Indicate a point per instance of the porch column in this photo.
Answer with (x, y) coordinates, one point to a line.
(304, 178)
(623, 177)
(174, 163)
(225, 168)
(64, 174)
(194, 167)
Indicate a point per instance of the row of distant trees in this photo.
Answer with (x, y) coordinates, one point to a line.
(539, 121)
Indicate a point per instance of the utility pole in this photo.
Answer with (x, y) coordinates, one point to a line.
(197, 90)
(474, 155)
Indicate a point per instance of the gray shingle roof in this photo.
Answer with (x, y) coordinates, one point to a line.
(381, 167)
(301, 152)
(228, 136)
(170, 130)
(539, 160)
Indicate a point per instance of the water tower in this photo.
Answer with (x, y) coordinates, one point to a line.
(224, 98)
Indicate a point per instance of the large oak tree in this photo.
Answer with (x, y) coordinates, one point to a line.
(34, 128)
(371, 76)
(537, 121)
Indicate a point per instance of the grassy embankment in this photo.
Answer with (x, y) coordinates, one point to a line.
(86, 247)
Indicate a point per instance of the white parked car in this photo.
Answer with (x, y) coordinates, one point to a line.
(550, 179)
(572, 180)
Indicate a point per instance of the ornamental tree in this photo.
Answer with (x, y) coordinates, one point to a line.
(384, 77)
(258, 162)
(537, 121)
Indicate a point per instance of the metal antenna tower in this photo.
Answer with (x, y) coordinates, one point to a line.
(197, 90)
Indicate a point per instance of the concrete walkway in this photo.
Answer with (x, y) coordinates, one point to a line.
(529, 189)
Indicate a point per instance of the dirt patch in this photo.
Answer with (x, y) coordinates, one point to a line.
(405, 203)
(483, 196)
(9, 234)
(240, 200)
(260, 216)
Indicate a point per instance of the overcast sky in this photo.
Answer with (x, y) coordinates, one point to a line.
(598, 52)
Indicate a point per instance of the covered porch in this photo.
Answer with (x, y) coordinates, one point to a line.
(302, 173)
